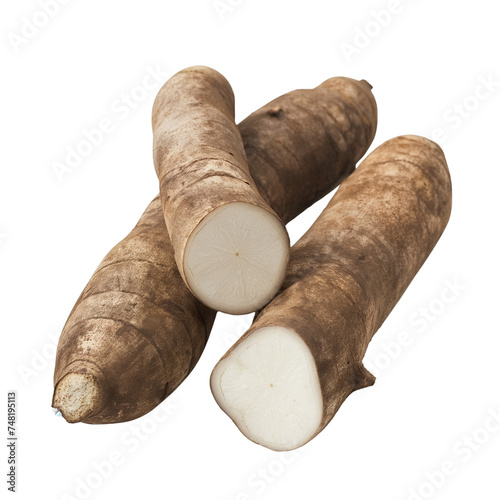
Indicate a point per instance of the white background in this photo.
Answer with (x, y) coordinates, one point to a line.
(426, 65)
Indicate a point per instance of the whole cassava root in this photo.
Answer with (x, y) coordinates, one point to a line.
(136, 331)
(308, 129)
(134, 334)
(285, 379)
(230, 246)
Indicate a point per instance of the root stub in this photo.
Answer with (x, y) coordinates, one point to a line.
(236, 259)
(269, 387)
(77, 396)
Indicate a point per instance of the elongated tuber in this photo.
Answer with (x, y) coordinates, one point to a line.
(285, 379)
(136, 331)
(230, 246)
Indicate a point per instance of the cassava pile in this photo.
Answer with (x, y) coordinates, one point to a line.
(136, 331)
(214, 239)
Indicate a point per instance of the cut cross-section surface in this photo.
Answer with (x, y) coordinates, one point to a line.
(235, 260)
(270, 388)
(77, 396)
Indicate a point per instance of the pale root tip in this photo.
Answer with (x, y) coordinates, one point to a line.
(77, 396)
(235, 260)
(269, 386)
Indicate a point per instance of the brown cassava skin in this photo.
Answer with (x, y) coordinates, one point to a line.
(350, 269)
(136, 330)
(199, 155)
(136, 327)
(308, 129)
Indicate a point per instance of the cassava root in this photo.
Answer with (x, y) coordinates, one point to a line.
(285, 379)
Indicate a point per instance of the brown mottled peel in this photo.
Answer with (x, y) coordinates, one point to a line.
(306, 142)
(350, 269)
(199, 155)
(136, 328)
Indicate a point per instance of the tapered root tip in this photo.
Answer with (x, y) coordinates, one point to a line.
(367, 84)
(77, 396)
(270, 388)
(235, 260)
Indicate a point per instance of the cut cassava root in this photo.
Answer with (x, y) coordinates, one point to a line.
(285, 379)
(136, 331)
(230, 246)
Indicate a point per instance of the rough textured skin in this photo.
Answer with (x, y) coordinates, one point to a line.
(350, 269)
(136, 327)
(303, 144)
(198, 153)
